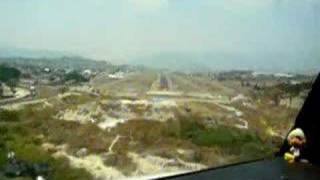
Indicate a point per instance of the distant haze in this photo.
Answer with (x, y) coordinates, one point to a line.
(267, 35)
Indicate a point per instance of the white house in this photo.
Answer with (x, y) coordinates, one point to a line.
(87, 73)
(117, 75)
(47, 70)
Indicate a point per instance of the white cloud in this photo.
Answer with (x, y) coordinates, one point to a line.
(263, 3)
(246, 4)
(253, 3)
(148, 5)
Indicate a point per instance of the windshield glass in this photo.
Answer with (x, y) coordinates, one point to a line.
(150, 88)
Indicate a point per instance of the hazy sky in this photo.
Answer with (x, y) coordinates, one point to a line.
(127, 29)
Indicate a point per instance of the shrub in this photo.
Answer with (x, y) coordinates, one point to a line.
(227, 138)
(122, 162)
(9, 116)
(28, 150)
(9, 75)
(75, 76)
(62, 170)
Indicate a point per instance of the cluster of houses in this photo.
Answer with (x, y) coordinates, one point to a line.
(41, 76)
(51, 76)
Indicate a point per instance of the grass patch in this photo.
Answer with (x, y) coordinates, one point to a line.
(75, 99)
(22, 138)
(122, 162)
(9, 116)
(230, 140)
(27, 148)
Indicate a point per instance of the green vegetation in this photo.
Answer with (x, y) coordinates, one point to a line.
(9, 116)
(275, 93)
(205, 134)
(75, 99)
(122, 162)
(246, 144)
(295, 89)
(190, 134)
(28, 149)
(75, 76)
(25, 139)
(3, 138)
(9, 75)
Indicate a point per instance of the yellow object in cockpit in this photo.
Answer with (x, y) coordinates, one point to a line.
(289, 157)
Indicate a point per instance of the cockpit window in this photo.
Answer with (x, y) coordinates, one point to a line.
(150, 88)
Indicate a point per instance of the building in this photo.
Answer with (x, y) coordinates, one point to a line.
(117, 75)
(47, 70)
(87, 73)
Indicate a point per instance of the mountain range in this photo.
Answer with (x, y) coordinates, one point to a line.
(197, 62)
(265, 62)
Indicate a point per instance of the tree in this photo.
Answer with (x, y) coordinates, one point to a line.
(286, 90)
(293, 90)
(75, 76)
(9, 75)
(274, 93)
